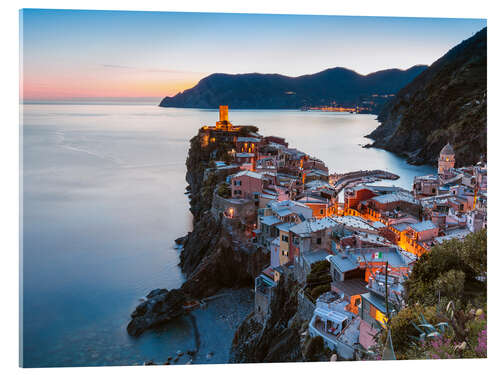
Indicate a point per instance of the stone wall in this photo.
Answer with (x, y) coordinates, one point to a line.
(261, 308)
(242, 209)
(305, 308)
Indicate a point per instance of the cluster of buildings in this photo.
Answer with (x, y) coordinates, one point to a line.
(370, 240)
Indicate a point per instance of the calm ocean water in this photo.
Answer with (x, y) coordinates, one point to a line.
(103, 201)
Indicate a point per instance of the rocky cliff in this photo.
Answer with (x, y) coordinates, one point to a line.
(278, 340)
(283, 337)
(213, 256)
(445, 103)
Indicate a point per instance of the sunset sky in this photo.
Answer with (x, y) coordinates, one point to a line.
(115, 54)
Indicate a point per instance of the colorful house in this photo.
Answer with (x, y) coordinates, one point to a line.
(246, 185)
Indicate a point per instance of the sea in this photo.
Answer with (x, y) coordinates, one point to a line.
(103, 198)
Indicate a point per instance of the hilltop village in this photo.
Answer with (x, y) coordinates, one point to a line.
(326, 253)
(287, 204)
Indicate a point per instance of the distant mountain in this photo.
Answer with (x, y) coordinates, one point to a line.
(274, 91)
(445, 103)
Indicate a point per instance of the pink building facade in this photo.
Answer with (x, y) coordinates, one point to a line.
(246, 185)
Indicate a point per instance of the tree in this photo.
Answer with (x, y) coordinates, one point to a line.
(431, 276)
(224, 191)
(452, 273)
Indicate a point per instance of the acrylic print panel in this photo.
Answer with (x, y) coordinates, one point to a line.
(180, 208)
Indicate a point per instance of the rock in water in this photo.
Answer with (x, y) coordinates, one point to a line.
(181, 241)
(160, 307)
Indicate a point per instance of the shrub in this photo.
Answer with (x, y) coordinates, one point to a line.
(319, 290)
(224, 191)
(403, 330)
(319, 279)
(314, 348)
(466, 337)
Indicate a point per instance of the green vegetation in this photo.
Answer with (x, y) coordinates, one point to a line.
(224, 190)
(208, 188)
(450, 272)
(403, 328)
(319, 279)
(459, 334)
(274, 91)
(446, 312)
(445, 103)
(316, 350)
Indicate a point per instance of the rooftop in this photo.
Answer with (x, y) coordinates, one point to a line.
(343, 262)
(249, 174)
(316, 184)
(395, 197)
(447, 150)
(378, 189)
(248, 139)
(350, 287)
(270, 220)
(376, 301)
(315, 256)
(401, 226)
(245, 155)
(352, 222)
(423, 226)
(453, 234)
(283, 212)
(285, 227)
(351, 259)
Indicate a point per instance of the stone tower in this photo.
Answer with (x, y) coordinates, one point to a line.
(446, 159)
(223, 123)
(223, 113)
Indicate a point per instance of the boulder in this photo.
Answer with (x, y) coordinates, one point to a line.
(181, 240)
(160, 307)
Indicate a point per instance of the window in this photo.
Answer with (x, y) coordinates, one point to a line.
(321, 211)
(284, 238)
(318, 241)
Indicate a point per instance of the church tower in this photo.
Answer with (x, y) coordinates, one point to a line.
(446, 159)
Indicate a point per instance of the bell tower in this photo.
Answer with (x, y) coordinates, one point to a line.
(446, 159)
